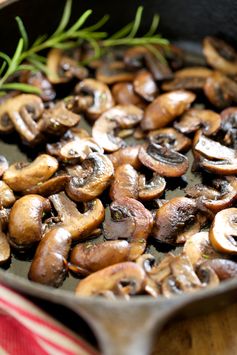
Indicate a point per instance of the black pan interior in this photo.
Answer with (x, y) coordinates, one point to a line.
(185, 22)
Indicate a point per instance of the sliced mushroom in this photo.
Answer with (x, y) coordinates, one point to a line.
(7, 197)
(93, 177)
(48, 266)
(23, 176)
(3, 165)
(193, 78)
(137, 57)
(123, 94)
(4, 218)
(215, 157)
(89, 257)
(151, 189)
(130, 220)
(25, 221)
(58, 119)
(183, 278)
(145, 85)
(39, 80)
(166, 108)
(164, 161)
(5, 251)
(23, 110)
(198, 248)
(172, 218)
(125, 183)
(223, 194)
(206, 120)
(127, 275)
(225, 269)
(229, 126)
(79, 225)
(62, 68)
(223, 231)
(74, 150)
(115, 72)
(220, 90)
(220, 55)
(93, 98)
(170, 138)
(118, 117)
(126, 155)
(49, 187)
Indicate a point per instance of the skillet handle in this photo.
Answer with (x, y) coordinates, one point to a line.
(126, 328)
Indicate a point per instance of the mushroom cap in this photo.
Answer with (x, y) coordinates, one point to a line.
(220, 55)
(125, 183)
(125, 116)
(164, 161)
(165, 108)
(170, 138)
(25, 221)
(102, 99)
(94, 257)
(173, 217)
(223, 231)
(111, 278)
(145, 86)
(48, 266)
(23, 176)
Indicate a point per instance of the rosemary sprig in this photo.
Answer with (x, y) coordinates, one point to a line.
(28, 57)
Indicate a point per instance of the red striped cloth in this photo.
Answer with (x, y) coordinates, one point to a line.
(27, 330)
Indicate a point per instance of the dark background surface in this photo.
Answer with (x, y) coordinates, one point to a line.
(180, 19)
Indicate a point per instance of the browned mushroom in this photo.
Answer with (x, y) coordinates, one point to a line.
(123, 94)
(25, 221)
(58, 119)
(118, 117)
(115, 72)
(183, 278)
(220, 55)
(88, 257)
(23, 110)
(220, 90)
(126, 155)
(5, 250)
(115, 278)
(223, 231)
(164, 161)
(7, 197)
(49, 187)
(125, 183)
(130, 220)
(23, 176)
(145, 85)
(62, 68)
(229, 126)
(206, 120)
(170, 138)
(93, 98)
(79, 225)
(222, 193)
(151, 189)
(39, 80)
(215, 157)
(138, 57)
(225, 269)
(172, 218)
(3, 165)
(193, 78)
(92, 178)
(198, 248)
(48, 266)
(4, 218)
(166, 108)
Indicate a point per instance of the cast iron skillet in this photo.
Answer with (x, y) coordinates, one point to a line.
(122, 327)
